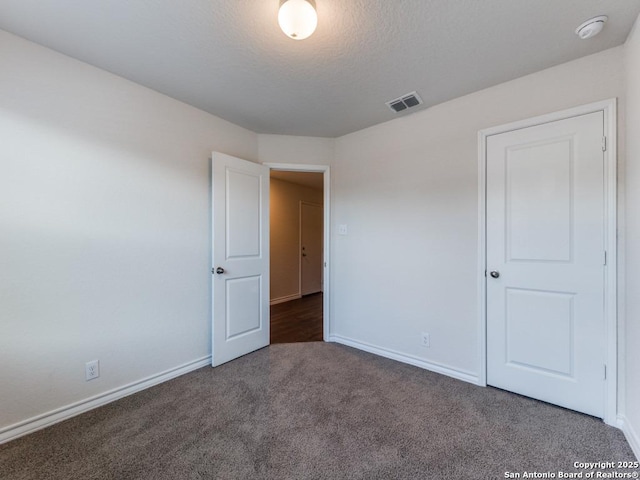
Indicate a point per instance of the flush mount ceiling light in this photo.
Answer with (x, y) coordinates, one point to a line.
(591, 27)
(298, 18)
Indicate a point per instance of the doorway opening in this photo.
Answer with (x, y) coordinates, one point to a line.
(298, 253)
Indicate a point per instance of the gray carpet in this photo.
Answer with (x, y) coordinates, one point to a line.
(313, 411)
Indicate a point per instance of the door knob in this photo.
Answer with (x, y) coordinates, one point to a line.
(495, 274)
(219, 270)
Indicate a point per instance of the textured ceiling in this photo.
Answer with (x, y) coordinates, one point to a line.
(230, 58)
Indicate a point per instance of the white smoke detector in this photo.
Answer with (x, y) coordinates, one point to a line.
(591, 27)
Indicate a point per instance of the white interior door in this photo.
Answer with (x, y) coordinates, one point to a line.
(545, 262)
(240, 257)
(311, 239)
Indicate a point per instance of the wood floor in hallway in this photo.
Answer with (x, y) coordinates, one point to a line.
(298, 320)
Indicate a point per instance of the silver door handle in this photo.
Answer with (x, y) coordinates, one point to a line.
(495, 274)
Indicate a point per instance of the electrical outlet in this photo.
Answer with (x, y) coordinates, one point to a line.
(92, 370)
(426, 339)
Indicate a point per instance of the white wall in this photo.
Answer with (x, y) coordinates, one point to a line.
(632, 179)
(407, 190)
(104, 208)
(291, 149)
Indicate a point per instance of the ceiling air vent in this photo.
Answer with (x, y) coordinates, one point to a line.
(405, 102)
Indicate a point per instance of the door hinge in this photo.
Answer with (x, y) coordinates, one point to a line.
(605, 257)
(604, 144)
(605, 371)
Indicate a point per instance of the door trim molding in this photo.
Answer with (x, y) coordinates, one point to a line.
(326, 181)
(609, 108)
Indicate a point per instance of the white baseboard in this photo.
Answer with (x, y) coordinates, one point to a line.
(410, 359)
(58, 415)
(632, 436)
(286, 298)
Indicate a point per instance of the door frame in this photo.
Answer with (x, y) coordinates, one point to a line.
(608, 107)
(326, 184)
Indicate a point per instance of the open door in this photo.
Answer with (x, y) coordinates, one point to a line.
(240, 254)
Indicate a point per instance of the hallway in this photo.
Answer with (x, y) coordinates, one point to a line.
(298, 320)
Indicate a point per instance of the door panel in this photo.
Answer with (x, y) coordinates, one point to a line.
(538, 200)
(545, 237)
(530, 316)
(241, 250)
(243, 306)
(242, 214)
